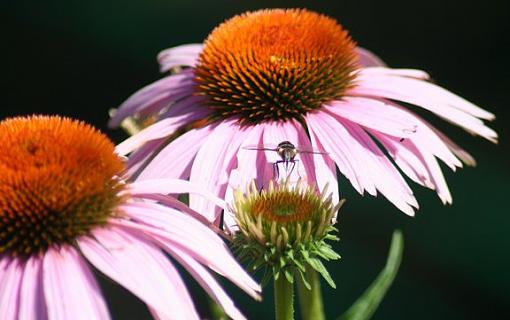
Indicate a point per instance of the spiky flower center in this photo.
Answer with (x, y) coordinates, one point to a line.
(57, 182)
(275, 65)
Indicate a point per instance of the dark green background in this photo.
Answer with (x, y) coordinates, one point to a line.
(80, 58)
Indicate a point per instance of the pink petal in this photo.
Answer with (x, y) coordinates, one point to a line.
(376, 115)
(382, 71)
(11, 272)
(161, 129)
(369, 59)
(189, 235)
(407, 158)
(251, 165)
(385, 176)
(338, 143)
(175, 159)
(184, 55)
(325, 170)
(371, 165)
(139, 266)
(167, 89)
(32, 305)
(70, 289)
(429, 96)
(206, 281)
(212, 165)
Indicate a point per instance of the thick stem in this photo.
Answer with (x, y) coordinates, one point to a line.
(283, 299)
(310, 301)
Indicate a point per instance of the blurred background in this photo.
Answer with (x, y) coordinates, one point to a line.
(80, 58)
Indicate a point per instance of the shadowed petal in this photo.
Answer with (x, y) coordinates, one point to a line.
(70, 290)
(212, 165)
(175, 159)
(189, 235)
(165, 89)
(32, 304)
(184, 55)
(11, 272)
(368, 58)
(141, 268)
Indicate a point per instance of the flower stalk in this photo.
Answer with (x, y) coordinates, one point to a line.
(283, 298)
(310, 299)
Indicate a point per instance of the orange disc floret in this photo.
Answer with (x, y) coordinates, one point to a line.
(284, 206)
(58, 179)
(275, 65)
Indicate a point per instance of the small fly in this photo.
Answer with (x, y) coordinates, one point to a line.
(287, 152)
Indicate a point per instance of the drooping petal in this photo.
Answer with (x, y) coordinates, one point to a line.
(355, 147)
(206, 281)
(408, 159)
(337, 142)
(185, 55)
(212, 165)
(139, 266)
(251, 165)
(175, 159)
(32, 304)
(70, 290)
(325, 170)
(368, 58)
(172, 186)
(428, 96)
(11, 272)
(189, 235)
(382, 71)
(389, 118)
(375, 114)
(166, 90)
(161, 129)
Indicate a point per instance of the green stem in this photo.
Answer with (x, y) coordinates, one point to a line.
(283, 299)
(310, 301)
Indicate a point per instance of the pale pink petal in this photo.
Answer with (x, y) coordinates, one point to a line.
(138, 159)
(376, 115)
(381, 71)
(428, 96)
(189, 235)
(462, 154)
(371, 165)
(11, 272)
(172, 186)
(325, 170)
(250, 166)
(385, 176)
(206, 281)
(167, 89)
(213, 164)
(175, 159)
(70, 290)
(368, 58)
(338, 143)
(139, 266)
(408, 159)
(426, 136)
(184, 55)
(161, 129)
(32, 304)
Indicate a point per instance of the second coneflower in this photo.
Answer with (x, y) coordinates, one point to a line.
(65, 207)
(294, 75)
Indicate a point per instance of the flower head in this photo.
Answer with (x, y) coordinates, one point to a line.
(293, 75)
(284, 228)
(63, 203)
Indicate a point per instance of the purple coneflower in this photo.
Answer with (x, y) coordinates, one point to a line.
(273, 75)
(64, 208)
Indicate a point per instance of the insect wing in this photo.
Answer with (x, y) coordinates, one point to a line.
(260, 147)
(311, 150)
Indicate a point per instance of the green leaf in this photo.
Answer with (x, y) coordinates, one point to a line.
(367, 304)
